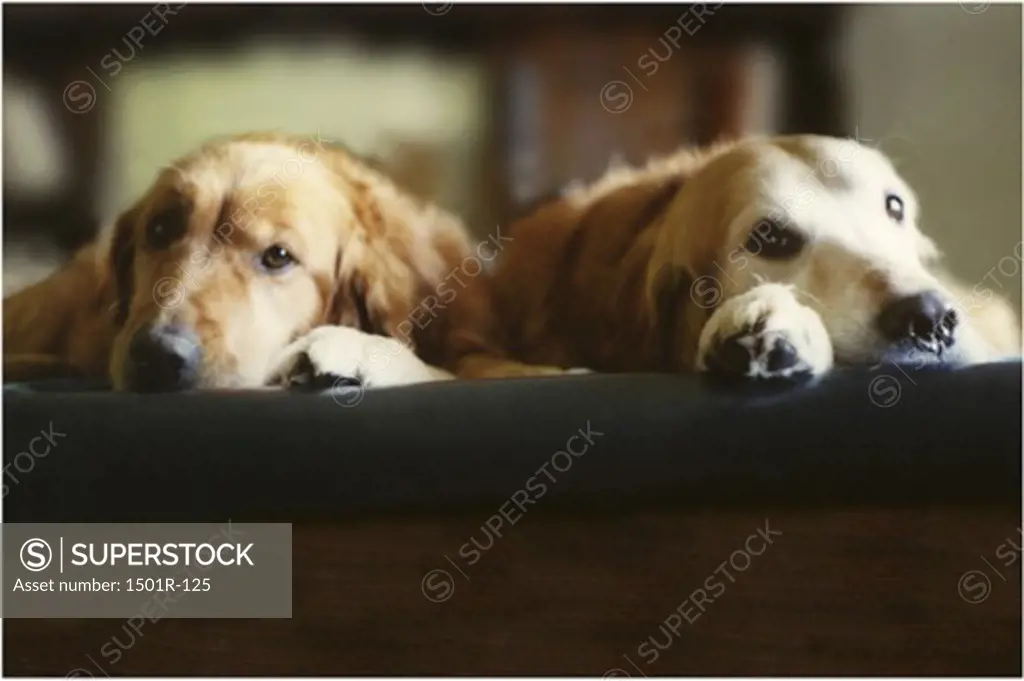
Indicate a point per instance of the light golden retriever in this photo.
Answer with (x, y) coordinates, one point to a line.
(763, 258)
(260, 260)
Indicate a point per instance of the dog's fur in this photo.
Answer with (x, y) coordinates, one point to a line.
(646, 269)
(368, 255)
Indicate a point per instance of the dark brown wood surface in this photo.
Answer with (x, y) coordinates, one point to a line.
(852, 592)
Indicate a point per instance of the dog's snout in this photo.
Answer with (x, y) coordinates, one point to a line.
(924, 319)
(164, 358)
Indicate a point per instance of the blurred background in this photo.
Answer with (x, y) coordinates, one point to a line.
(486, 109)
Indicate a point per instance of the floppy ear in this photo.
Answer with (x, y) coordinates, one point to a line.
(388, 277)
(378, 277)
(120, 257)
(679, 293)
(354, 303)
(386, 308)
(667, 274)
(675, 308)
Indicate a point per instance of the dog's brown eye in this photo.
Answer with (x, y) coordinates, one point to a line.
(894, 207)
(773, 241)
(276, 257)
(166, 227)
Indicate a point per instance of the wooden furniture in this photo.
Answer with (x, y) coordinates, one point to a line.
(858, 592)
(536, 144)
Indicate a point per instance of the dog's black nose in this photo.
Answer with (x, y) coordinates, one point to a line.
(924, 319)
(162, 359)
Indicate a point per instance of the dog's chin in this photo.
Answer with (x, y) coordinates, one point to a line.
(905, 355)
(229, 382)
(205, 383)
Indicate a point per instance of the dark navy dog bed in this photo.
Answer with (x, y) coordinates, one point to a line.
(890, 434)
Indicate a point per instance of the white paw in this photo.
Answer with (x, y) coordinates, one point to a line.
(336, 356)
(765, 334)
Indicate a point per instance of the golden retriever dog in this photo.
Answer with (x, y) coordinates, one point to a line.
(762, 258)
(261, 260)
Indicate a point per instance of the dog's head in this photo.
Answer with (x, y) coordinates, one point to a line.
(832, 218)
(246, 244)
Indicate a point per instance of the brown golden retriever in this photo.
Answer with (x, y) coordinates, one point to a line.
(763, 258)
(259, 260)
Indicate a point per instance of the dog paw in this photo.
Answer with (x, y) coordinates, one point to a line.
(765, 334)
(336, 357)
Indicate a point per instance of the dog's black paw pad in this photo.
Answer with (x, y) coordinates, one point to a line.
(781, 356)
(306, 377)
(754, 356)
(731, 356)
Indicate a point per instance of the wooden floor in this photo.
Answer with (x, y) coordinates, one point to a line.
(851, 592)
